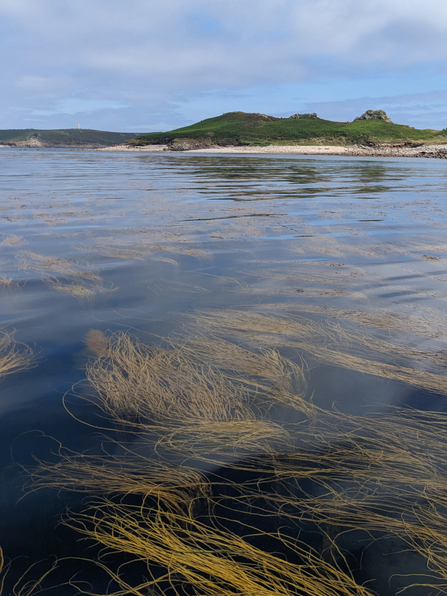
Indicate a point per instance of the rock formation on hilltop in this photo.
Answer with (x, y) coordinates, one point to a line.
(298, 116)
(374, 115)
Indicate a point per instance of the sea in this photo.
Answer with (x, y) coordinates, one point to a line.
(222, 374)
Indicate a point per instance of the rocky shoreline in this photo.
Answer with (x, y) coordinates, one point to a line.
(377, 150)
(35, 144)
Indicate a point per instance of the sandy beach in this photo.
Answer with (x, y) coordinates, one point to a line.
(429, 151)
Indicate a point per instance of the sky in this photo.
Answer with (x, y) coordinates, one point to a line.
(155, 65)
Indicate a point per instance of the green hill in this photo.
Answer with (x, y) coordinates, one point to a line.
(239, 128)
(70, 137)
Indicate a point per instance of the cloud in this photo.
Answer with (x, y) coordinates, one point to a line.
(162, 54)
(422, 110)
(86, 106)
(262, 41)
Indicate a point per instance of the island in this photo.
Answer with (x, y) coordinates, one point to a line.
(372, 133)
(81, 138)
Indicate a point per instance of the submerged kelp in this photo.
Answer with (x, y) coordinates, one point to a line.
(180, 397)
(26, 584)
(79, 280)
(331, 343)
(134, 248)
(8, 284)
(207, 560)
(204, 493)
(14, 357)
(12, 240)
(170, 401)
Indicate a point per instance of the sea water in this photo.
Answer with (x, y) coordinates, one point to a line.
(163, 246)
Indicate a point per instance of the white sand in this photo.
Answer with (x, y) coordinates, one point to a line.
(439, 151)
(144, 149)
(277, 149)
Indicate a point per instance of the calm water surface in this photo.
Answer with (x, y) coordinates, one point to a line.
(339, 264)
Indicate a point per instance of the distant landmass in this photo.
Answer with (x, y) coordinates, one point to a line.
(65, 138)
(239, 128)
(372, 129)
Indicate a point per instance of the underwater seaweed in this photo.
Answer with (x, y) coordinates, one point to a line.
(97, 342)
(7, 283)
(78, 280)
(330, 343)
(179, 398)
(12, 240)
(14, 356)
(212, 561)
(24, 585)
(199, 485)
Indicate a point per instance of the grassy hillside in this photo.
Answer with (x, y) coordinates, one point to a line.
(71, 137)
(239, 128)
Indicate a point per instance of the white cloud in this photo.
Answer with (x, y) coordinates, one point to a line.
(157, 54)
(46, 84)
(423, 110)
(159, 37)
(76, 106)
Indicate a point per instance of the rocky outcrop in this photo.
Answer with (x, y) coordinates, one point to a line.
(188, 144)
(374, 115)
(267, 117)
(399, 150)
(298, 116)
(29, 143)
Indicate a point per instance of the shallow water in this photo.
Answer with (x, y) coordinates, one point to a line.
(171, 246)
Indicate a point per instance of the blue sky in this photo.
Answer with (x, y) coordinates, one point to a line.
(151, 65)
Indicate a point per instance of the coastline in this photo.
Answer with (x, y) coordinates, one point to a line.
(379, 150)
(428, 151)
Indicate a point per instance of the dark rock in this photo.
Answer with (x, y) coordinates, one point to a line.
(374, 115)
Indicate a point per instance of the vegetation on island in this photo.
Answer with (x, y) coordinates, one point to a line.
(240, 128)
(373, 128)
(70, 137)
